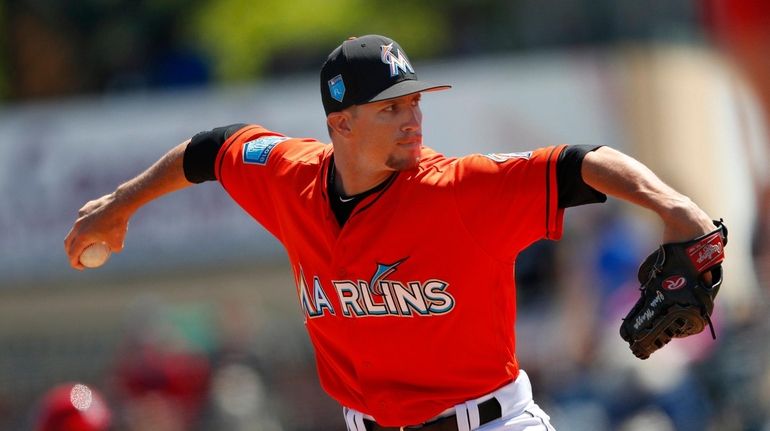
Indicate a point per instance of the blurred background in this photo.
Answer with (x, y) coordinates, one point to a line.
(195, 325)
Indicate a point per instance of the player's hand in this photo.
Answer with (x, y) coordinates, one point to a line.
(99, 220)
(684, 222)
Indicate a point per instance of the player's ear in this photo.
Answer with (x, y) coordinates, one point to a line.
(339, 122)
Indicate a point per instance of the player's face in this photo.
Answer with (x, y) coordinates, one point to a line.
(390, 132)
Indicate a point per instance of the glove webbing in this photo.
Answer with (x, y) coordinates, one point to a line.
(705, 314)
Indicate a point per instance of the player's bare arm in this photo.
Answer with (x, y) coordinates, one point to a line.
(106, 219)
(614, 173)
(681, 279)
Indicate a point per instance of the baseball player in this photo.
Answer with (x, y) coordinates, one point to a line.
(403, 258)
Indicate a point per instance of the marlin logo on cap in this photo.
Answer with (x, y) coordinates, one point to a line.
(337, 88)
(398, 61)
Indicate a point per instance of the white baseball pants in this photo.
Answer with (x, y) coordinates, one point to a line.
(519, 411)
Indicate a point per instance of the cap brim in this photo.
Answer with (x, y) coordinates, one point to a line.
(404, 88)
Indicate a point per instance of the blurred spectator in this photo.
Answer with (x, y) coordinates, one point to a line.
(738, 374)
(161, 376)
(57, 50)
(42, 56)
(240, 398)
(72, 407)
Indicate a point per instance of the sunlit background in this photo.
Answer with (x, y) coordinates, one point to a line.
(195, 325)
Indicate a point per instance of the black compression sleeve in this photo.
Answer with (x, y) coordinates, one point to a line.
(573, 191)
(201, 153)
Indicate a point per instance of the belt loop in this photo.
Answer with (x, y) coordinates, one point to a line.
(461, 413)
(346, 412)
(354, 419)
(473, 414)
(359, 419)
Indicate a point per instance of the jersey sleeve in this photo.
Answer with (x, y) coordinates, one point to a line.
(201, 152)
(573, 190)
(508, 201)
(245, 166)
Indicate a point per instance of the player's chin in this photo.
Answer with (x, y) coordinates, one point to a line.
(403, 162)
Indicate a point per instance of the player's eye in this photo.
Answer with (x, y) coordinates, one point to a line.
(390, 108)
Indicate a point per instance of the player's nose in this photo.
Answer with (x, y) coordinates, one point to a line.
(413, 121)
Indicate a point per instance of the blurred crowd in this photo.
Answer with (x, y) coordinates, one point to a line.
(177, 368)
(50, 49)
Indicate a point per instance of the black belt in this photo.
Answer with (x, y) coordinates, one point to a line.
(489, 410)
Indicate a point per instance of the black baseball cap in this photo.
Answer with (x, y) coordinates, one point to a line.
(367, 69)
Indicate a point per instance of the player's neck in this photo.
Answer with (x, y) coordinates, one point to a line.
(350, 179)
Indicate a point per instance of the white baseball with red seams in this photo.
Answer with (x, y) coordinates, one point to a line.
(95, 255)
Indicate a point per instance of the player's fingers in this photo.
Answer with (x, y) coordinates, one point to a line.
(118, 248)
(116, 239)
(85, 209)
(74, 232)
(74, 260)
(68, 241)
(115, 245)
(73, 246)
(73, 254)
(90, 206)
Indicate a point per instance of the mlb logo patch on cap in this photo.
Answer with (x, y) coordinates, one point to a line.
(257, 151)
(337, 88)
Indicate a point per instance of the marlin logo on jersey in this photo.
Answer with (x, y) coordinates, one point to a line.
(397, 61)
(378, 297)
(383, 270)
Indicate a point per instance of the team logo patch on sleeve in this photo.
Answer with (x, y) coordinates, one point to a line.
(257, 151)
(502, 157)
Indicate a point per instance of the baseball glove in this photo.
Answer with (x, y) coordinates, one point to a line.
(676, 301)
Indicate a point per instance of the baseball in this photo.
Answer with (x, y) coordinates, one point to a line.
(95, 255)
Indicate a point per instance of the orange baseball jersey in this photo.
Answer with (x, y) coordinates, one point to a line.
(410, 306)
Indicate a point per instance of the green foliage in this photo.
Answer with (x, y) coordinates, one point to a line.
(243, 36)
